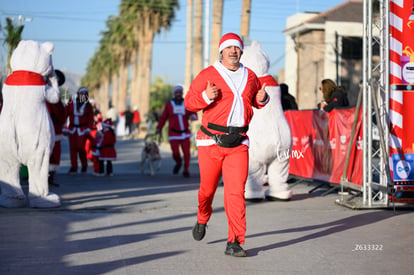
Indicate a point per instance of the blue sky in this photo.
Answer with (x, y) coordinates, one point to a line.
(75, 28)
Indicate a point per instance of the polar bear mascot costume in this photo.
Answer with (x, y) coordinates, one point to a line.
(269, 134)
(27, 134)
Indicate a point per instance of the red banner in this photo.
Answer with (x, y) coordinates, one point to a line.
(402, 94)
(320, 144)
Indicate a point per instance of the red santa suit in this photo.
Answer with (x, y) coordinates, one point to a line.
(58, 117)
(232, 110)
(91, 144)
(179, 133)
(104, 150)
(81, 119)
(90, 141)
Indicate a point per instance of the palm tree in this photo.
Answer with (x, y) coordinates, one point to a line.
(13, 37)
(198, 37)
(245, 18)
(149, 18)
(121, 40)
(216, 28)
(189, 46)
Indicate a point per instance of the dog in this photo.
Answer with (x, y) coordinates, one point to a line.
(150, 157)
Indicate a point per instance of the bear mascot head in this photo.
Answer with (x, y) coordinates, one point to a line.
(269, 134)
(27, 134)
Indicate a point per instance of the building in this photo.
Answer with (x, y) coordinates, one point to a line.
(324, 45)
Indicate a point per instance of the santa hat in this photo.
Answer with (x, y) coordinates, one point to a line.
(107, 123)
(178, 88)
(230, 39)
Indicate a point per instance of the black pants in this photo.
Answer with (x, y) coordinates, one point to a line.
(108, 167)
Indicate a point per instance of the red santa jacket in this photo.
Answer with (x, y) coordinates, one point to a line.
(81, 117)
(57, 114)
(220, 110)
(136, 118)
(91, 141)
(178, 117)
(105, 144)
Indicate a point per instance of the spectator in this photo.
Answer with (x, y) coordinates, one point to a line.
(333, 96)
(136, 120)
(58, 117)
(113, 114)
(288, 100)
(128, 121)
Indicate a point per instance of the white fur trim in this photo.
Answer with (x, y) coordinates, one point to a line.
(206, 99)
(59, 137)
(231, 42)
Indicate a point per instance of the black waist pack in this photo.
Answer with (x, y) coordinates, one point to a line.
(228, 140)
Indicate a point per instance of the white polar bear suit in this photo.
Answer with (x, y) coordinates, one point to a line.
(269, 134)
(27, 134)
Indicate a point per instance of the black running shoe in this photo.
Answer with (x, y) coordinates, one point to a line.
(234, 249)
(84, 169)
(72, 171)
(176, 169)
(199, 231)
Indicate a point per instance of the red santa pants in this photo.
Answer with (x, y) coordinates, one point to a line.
(96, 165)
(185, 147)
(232, 163)
(77, 146)
(54, 160)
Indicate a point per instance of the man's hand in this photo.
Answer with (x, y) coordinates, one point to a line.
(261, 94)
(211, 91)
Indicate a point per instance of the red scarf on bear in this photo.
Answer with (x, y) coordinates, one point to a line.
(25, 78)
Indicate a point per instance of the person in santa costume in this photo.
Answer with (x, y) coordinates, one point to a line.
(81, 119)
(58, 116)
(104, 149)
(226, 92)
(179, 133)
(90, 145)
(270, 137)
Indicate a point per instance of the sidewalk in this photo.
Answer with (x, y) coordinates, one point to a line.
(139, 224)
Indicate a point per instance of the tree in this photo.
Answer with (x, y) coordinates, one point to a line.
(245, 18)
(148, 18)
(160, 93)
(128, 42)
(198, 37)
(216, 29)
(189, 46)
(13, 37)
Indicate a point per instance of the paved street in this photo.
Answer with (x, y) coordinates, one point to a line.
(140, 224)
